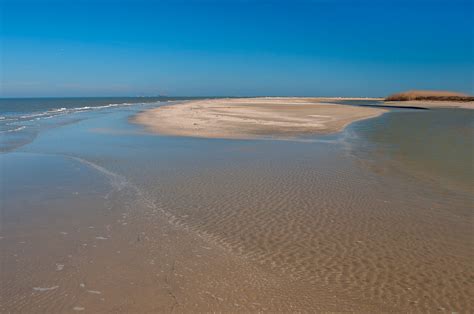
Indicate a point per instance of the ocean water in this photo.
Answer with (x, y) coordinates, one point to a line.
(375, 218)
(21, 119)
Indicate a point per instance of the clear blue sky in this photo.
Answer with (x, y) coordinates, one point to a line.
(319, 47)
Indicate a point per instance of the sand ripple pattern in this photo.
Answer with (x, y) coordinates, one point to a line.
(321, 219)
(296, 223)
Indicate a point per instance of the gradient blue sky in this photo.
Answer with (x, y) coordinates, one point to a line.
(241, 48)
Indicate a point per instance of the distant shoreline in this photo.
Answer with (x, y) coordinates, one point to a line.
(433, 98)
(430, 104)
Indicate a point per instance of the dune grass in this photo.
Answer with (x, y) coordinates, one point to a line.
(429, 95)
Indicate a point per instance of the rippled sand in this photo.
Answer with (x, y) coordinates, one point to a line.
(118, 250)
(371, 240)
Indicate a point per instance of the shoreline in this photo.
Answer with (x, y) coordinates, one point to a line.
(430, 103)
(254, 118)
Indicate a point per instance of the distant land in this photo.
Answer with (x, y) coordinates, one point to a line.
(429, 95)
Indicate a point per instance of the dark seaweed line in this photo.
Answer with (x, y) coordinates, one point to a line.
(396, 107)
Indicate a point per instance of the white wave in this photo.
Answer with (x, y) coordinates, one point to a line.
(83, 108)
(35, 115)
(14, 130)
(60, 111)
(5, 119)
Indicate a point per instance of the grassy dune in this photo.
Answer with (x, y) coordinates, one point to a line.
(429, 95)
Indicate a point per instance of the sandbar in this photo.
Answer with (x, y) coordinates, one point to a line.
(253, 118)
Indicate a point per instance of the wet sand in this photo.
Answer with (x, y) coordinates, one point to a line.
(248, 118)
(81, 246)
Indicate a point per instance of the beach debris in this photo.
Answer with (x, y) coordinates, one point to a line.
(78, 308)
(101, 238)
(82, 285)
(43, 289)
(63, 233)
(214, 296)
(94, 291)
(59, 267)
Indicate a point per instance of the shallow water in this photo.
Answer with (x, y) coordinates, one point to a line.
(377, 217)
(435, 145)
(21, 119)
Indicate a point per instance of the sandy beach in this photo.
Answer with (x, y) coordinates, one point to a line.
(250, 118)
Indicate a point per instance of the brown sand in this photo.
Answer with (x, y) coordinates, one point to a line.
(126, 254)
(247, 118)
